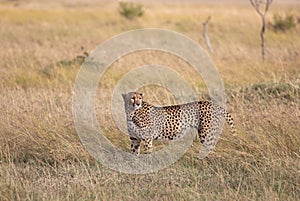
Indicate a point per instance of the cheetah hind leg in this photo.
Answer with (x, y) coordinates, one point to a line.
(208, 139)
(135, 145)
(147, 146)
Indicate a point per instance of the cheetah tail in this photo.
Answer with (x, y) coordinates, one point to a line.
(230, 122)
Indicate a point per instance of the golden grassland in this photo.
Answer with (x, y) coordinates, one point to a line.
(41, 156)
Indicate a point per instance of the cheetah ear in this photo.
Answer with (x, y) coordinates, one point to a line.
(142, 95)
(123, 95)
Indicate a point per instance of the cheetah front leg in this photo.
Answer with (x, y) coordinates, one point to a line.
(148, 146)
(135, 145)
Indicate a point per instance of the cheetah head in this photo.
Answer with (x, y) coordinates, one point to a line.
(132, 100)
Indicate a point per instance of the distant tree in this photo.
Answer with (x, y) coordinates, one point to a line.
(205, 35)
(262, 7)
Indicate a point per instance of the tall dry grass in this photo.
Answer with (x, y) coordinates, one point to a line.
(42, 158)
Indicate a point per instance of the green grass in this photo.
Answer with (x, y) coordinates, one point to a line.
(41, 156)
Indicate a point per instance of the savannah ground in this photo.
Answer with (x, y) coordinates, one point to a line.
(41, 156)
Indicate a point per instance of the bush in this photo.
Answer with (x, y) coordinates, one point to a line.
(283, 23)
(131, 10)
(286, 92)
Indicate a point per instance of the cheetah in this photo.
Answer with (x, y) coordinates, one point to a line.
(146, 122)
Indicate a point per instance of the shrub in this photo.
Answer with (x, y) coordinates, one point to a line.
(131, 10)
(283, 23)
(286, 92)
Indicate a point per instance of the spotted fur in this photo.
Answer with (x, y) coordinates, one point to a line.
(146, 122)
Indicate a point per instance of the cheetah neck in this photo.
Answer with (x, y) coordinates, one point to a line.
(131, 112)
